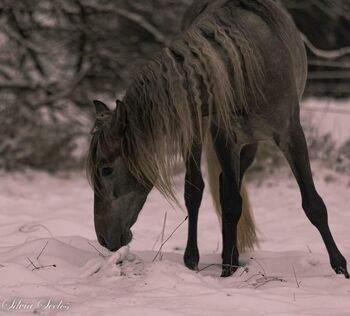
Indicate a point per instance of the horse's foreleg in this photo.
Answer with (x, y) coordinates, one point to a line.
(295, 149)
(194, 186)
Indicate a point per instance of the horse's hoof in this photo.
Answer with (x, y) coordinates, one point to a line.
(342, 270)
(193, 267)
(191, 261)
(228, 271)
(339, 266)
(192, 264)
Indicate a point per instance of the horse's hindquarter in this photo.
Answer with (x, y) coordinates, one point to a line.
(259, 30)
(283, 61)
(285, 77)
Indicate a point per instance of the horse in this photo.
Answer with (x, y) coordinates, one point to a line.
(232, 78)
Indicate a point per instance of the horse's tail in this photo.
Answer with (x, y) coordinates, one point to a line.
(246, 234)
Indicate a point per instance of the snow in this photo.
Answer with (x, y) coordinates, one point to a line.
(329, 116)
(51, 263)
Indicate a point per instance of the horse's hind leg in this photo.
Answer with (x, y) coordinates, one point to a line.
(247, 157)
(294, 148)
(194, 186)
(230, 199)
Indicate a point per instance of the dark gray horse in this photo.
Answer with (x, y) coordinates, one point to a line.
(232, 78)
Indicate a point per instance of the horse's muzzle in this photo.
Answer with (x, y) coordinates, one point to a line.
(115, 243)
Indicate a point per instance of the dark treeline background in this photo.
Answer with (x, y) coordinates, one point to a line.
(58, 55)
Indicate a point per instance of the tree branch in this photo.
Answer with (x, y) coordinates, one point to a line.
(328, 75)
(330, 64)
(19, 84)
(31, 50)
(326, 54)
(137, 19)
(68, 90)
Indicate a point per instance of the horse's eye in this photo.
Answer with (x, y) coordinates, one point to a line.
(105, 172)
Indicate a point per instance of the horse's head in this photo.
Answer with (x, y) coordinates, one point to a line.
(118, 195)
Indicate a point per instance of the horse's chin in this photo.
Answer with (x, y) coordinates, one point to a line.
(126, 238)
(123, 240)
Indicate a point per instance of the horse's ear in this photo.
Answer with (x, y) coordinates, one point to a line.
(102, 113)
(121, 112)
(119, 118)
(100, 108)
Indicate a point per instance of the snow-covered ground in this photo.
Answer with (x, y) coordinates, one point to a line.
(51, 263)
(329, 117)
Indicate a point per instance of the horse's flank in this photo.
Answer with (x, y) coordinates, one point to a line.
(215, 68)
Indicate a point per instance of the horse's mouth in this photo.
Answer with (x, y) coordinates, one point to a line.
(126, 238)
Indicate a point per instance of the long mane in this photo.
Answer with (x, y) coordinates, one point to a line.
(208, 70)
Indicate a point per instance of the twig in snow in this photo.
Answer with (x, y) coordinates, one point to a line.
(39, 267)
(42, 250)
(310, 251)
(156, 241)
(163, 231)
(206, 267)
(260, 265)
(160, 236)
(251, 277)
(245, 269)
(171, 235)
(32, 228)
(264, 280)
(296, 278)
(99, 252)
(32, 263)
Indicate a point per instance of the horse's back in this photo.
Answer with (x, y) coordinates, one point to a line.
(275, 36)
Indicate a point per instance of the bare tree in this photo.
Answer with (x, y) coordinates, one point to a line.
(58, 55)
